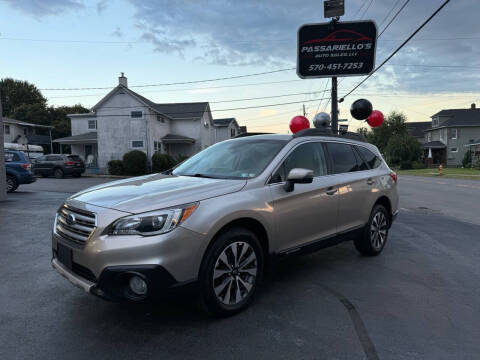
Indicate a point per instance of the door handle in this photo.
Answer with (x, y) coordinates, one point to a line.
(331, 191)
(370, 181)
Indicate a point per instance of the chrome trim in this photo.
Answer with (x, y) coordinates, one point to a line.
(74, 279)
(74, 226)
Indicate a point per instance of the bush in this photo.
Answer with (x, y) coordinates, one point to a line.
(135, 163)
(419, 165)
(477, 164)
(162, 162)
(115, 167)
(180, 158)
(467, 160)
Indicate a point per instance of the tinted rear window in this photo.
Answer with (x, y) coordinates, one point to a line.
(74, 157)
(12, 157)
(372, 160)
(54, 158)
(342, 157)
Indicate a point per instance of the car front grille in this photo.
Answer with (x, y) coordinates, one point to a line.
(74, 226)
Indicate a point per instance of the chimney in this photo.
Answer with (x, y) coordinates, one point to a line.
(473, 106)
(122, 80)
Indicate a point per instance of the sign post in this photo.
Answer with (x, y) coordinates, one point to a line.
(3, 183)
(336, 49)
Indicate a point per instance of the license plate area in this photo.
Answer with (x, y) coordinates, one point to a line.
(64, 255)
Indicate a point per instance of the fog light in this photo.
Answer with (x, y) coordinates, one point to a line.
(138, 285)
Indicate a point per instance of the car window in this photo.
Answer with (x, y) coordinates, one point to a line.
(54, 158)
(41, 158)
(306, 156)
(372, 160)
(361, 164)
(343, 158)
(74, 157)
(12, 157)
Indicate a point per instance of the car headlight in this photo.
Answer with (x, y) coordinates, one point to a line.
(152, 223)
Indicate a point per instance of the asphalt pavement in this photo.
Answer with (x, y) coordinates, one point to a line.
(418, 300)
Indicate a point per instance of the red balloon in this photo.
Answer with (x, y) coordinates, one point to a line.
(299, 123)
(375, 119)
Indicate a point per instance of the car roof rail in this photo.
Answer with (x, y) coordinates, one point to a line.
(329, 132)
(251, 134)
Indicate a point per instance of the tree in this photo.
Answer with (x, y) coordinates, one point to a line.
(467, 159)
(393, 139)
(16, 92)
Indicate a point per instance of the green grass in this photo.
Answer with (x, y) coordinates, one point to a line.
(455, 173)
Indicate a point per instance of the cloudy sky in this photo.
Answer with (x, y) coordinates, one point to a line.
(86, 44)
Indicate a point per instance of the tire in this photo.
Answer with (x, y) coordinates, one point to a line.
(12, 183)
(58, 173)
(225, 287)
(375, 235)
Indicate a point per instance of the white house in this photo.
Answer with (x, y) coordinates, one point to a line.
(225, 129)
(24, 133)
(124, 120)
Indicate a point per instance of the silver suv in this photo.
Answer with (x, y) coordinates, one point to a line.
(216, 221)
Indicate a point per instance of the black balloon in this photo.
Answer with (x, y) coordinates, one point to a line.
(361, 109)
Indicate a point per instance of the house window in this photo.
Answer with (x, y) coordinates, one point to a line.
(232, 132)
(454, 133)
(6, 129)
(429, 137)
(454, 150)
(160, 118)
(434, 122)
(92, 124)
(137, 144)
(157, 146)
(136, 114)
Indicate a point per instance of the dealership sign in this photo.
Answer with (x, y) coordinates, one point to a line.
(336, 49)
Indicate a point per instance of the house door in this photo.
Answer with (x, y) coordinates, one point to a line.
(90, 155)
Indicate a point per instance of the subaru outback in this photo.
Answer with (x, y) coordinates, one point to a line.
(215, 222)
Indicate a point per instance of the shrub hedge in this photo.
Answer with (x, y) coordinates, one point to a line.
(115, 167)
(135, 163)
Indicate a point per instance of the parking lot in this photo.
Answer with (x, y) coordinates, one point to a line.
(418, 300)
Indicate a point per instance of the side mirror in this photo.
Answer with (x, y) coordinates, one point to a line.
(298, 176)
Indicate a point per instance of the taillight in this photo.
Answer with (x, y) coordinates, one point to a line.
(69, 162)
(393, 175)
(27, 166)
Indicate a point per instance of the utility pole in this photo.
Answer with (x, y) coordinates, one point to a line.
(3, 172)
(334, 105)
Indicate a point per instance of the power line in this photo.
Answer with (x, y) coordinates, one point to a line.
(175, 83)
(193, 89)
(397, 50)
(366, 9)
(218, 110)
(393, 18)
(389, 12)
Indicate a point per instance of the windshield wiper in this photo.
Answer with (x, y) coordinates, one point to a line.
(201, 175)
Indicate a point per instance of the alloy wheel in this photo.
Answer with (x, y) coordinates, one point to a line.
(378, 230)
(10, 184)
(235, 273)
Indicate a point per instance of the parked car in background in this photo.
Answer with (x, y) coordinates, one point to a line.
(18, 170)
(217, 219)
(59, 165)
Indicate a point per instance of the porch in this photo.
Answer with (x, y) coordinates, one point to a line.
(177, 145)
(435, 153)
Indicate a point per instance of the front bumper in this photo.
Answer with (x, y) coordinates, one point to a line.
(113, 282)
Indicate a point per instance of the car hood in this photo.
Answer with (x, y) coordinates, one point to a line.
(152, 192)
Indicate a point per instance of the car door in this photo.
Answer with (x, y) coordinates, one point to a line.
(354, 183)
(38, 164)
(49, 164)
(307, 213)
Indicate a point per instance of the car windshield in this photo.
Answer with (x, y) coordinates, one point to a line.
(233, 159)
